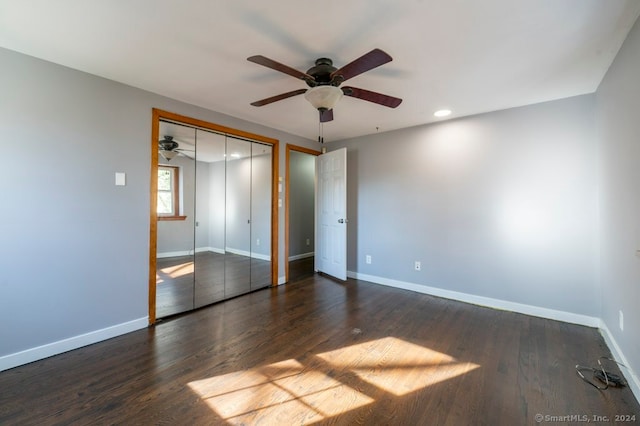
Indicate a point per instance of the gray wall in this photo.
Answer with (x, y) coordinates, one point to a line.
(301, 203)
(499, 205)
(618, 105)
(74, 252)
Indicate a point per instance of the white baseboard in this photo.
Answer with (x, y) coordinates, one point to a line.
(188, 252)
(245, 253)
(629, 374)
(302, 256)
(174, 254)
(535, 311)
(55, 348)
(211, 249)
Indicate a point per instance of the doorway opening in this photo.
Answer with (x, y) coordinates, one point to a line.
(300, 212)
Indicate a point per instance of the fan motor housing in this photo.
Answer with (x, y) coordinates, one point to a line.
(168, 144)
(321, 72)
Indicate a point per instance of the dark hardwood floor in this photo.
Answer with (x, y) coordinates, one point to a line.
(301, 268)
(319, 351)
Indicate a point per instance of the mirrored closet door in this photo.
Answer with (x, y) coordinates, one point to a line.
(214, 217)
(210, 218)
(261, 210)
(176, 200)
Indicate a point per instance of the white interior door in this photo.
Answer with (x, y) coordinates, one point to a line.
(331, 213)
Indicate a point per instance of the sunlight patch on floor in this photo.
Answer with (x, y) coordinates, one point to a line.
(397, 366)
(283, 391)
(327, 384)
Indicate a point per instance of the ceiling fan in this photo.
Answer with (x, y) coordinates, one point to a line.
(169, 148)
(324, 80)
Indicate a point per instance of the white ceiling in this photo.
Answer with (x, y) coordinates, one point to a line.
(467, 55)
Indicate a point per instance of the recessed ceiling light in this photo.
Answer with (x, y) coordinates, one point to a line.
(442, 113)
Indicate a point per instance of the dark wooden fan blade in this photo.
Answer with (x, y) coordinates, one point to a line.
(366, 62)
(278, 97)
(270, 63)
(326, 115)
(376, 98)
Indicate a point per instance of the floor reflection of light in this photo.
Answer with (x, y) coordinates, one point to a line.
(289, 392)
(178, 270)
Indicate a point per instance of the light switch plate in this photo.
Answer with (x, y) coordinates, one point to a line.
(121, 179)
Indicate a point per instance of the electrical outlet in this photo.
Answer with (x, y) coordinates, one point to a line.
(621, 320)
(308, 241)
(258, 241)
(367, 259)
(417, 266)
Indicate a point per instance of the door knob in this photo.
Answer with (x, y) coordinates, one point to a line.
(341, 220)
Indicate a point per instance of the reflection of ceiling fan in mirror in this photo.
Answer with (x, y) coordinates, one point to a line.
(324, 79)
(169, 148)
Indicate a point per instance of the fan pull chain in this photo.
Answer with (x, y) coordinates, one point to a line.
(320, 132)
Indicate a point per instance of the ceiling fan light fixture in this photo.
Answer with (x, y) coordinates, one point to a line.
(168, 155)
(323, 97)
